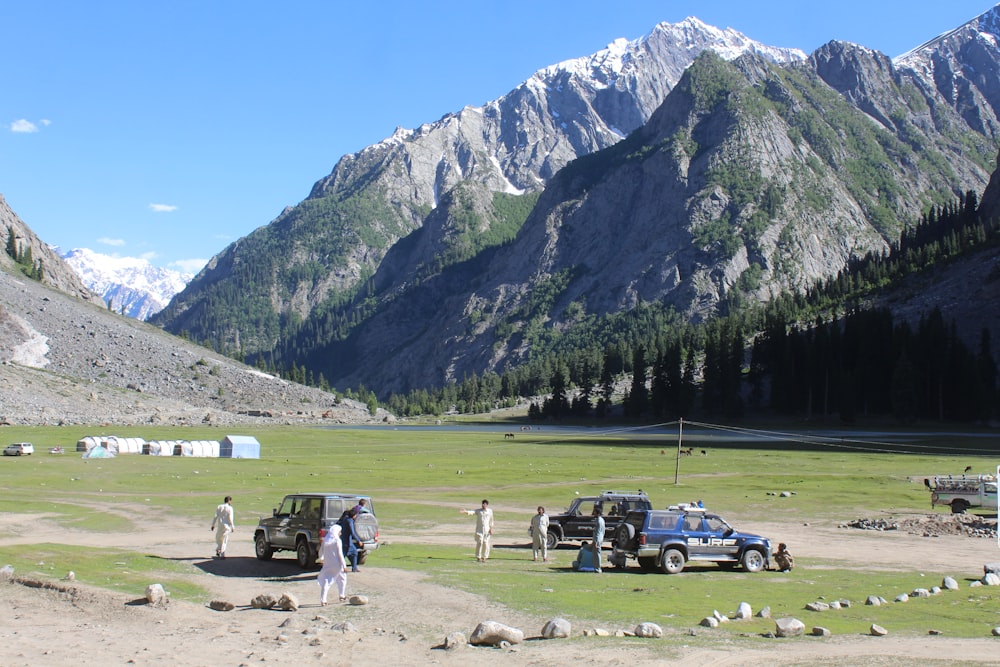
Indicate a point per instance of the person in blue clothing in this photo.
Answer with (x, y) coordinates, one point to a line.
(349, 537)
(598, 538)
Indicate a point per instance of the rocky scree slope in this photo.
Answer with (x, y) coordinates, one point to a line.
(64, 360)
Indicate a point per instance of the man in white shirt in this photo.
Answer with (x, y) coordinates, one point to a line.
(223, 525)
(540, 535)
(484, 530)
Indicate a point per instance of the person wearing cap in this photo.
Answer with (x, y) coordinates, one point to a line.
(223, 526)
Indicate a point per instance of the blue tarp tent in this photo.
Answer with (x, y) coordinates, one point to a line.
(239, 447)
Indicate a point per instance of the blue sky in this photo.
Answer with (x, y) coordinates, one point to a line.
(171, 129)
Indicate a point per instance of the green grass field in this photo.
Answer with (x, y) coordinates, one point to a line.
(419, 476)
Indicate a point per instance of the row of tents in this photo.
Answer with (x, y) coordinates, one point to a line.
(230, 447)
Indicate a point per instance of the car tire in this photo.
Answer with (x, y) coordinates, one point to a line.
(366, 526)
(262, 548)
(362, 557)
(303, 554)
(672, 561)
(551, 540)
(753, 560)
(959, 506)
(624, 536)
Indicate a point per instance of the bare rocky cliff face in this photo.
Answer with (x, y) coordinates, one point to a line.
(374, 198)
(754, 174)
(55, 271)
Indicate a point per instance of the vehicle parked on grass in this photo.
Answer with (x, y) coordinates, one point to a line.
(19, 449)
(960, 492)
(577, 522)
(301, 521)
(668, 539)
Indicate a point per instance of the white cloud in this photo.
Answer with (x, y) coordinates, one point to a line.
(46, 122)
(113, 242)
(189, 265)
(23, 126)
(148, 256)
(162, 208)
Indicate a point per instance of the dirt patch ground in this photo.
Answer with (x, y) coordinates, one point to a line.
(408, 618)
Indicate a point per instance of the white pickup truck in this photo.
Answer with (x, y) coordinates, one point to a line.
(960, 492)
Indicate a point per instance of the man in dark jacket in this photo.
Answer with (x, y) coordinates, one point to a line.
(349, 538)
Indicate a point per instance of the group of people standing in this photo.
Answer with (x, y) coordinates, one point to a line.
(589, 557)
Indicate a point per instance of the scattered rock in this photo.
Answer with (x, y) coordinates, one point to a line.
(991, 579)
(6, 573)
(155, 595)
(455, 640)
(820, 631)
(288, 602)
(877, 630)
(743, 611)
(492, 633)
(789, 627)
(346, 627)
(902, 597)
(557, 628)
(765, 612)
(221, 605)
(358, 600)
(987, 568)
(873, 600)
(920, 593)
(264, 601)
(710, 622)
(651, 630)
(818, 606)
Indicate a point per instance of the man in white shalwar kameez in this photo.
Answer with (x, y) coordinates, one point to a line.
(333, 571)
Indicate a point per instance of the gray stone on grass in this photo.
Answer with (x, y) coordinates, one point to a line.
(221, 605)
(902, 597)
(820, 631)
(877, 630)
(991, 567)
(743, 611)
(789, 627)
(765, 612)
(949, 584)
(649, 630)
(991, 579)
(710, 622)
(455, 640)
(818, 606)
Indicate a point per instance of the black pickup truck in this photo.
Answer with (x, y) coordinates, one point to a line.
(577, 523)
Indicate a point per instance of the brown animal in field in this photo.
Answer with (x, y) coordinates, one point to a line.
(508, 436)
(968, 468)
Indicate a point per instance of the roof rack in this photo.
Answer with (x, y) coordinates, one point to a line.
(640, 492)
(686, 507)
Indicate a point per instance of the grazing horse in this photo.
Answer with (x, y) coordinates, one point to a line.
(968, 468)
(508, 436)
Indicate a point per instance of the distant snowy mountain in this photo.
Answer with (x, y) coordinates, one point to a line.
(130, 285)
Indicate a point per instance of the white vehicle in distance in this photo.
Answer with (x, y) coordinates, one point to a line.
(19, 449)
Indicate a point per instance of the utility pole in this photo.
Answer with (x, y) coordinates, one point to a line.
(680, 437)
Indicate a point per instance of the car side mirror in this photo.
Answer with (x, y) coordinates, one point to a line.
(274, 512)
(729, 531)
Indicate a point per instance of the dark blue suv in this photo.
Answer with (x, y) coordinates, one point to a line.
(668, 539)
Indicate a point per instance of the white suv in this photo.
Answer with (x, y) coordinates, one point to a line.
(19, 448)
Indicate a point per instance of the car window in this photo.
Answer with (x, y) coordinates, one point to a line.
(715, 524)
(334, 508)
(288, 506)
(692, 523)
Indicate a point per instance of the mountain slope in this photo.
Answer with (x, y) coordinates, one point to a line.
(319, 253)
(751, 178)
(129, 285)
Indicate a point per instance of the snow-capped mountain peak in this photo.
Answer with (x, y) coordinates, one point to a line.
(129, 285)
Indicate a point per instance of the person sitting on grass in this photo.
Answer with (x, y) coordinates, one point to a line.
(584, 558)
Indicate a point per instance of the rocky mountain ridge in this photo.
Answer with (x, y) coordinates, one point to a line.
(325, 248)
(129, 285)
(749, 178)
